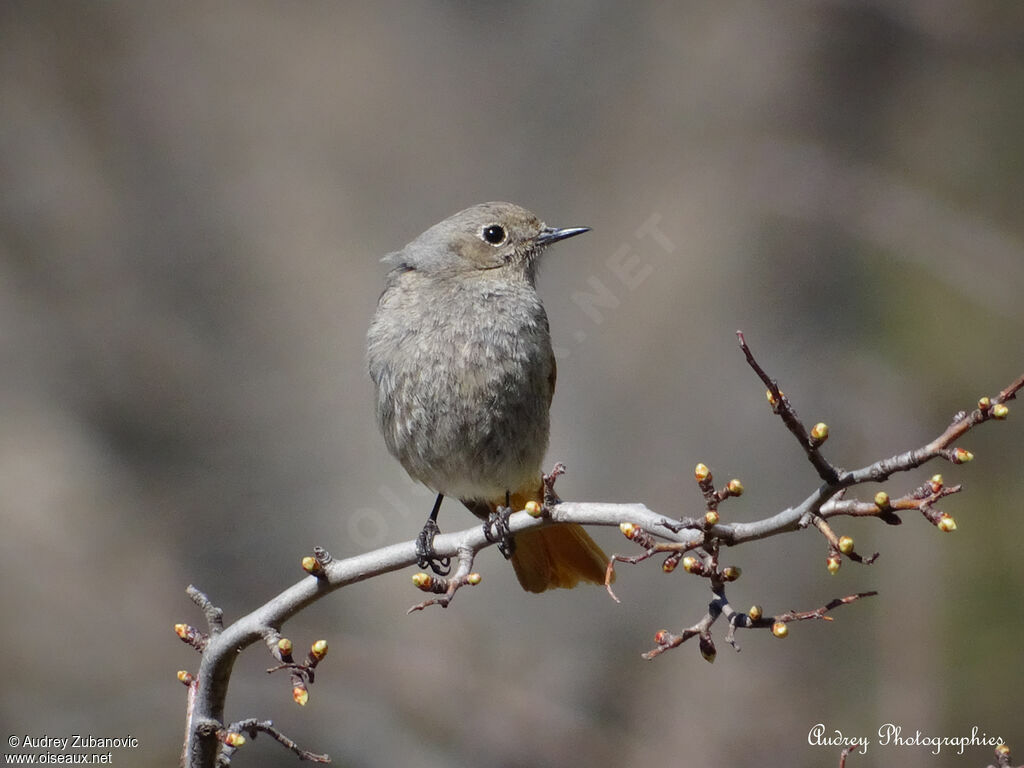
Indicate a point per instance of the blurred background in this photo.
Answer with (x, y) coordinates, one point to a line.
(194, 201)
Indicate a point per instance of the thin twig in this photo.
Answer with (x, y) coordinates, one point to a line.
(252, 726)
(782, 406)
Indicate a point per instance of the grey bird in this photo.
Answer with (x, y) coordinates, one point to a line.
(460, 355)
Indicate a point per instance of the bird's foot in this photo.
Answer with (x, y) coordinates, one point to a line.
(496, 530)
(428, 558)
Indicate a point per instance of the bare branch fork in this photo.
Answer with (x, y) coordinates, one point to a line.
(694, 543)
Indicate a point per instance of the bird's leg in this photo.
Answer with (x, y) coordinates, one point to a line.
(428, 558)
(496, 528)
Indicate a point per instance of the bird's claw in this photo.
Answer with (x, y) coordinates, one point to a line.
(496, 530)
(428, 558)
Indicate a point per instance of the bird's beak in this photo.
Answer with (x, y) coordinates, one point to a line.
(550, 235)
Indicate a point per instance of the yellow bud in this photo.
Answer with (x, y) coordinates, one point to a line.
(533, 509)
(670, 563)
(984, 403)
(474, 578)
(711, 517)
(310, 564)
(946, 523)
(184, 676)
(233, 739)
(755, 612)
(692, 565)
(319, 649)
(181, 630)
(1003, 749)
(701, 472)
(962, 456)
(661, 637)
(731, 573)
(845, 544)
(833, 564)
(300, 695)
(284, 646)
(1000, 411)
(628, 529)
(882, 500)
(779, 629)
(819, 432)
(936, 483)
(772, 401)
(735, 487)
(423, 580)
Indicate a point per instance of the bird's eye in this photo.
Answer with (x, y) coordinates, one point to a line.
(494, 234)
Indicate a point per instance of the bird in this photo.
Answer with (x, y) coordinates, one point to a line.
(459, 352)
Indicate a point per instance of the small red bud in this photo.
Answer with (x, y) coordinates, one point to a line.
(319, 649)
(962, 456)
(423, 581)
(233, 739)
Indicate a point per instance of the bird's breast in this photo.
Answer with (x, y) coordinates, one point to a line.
(463, 381)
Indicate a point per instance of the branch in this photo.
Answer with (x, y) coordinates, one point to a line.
(694, 542)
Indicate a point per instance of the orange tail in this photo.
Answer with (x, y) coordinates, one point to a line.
(556, 557)
(559, 556)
